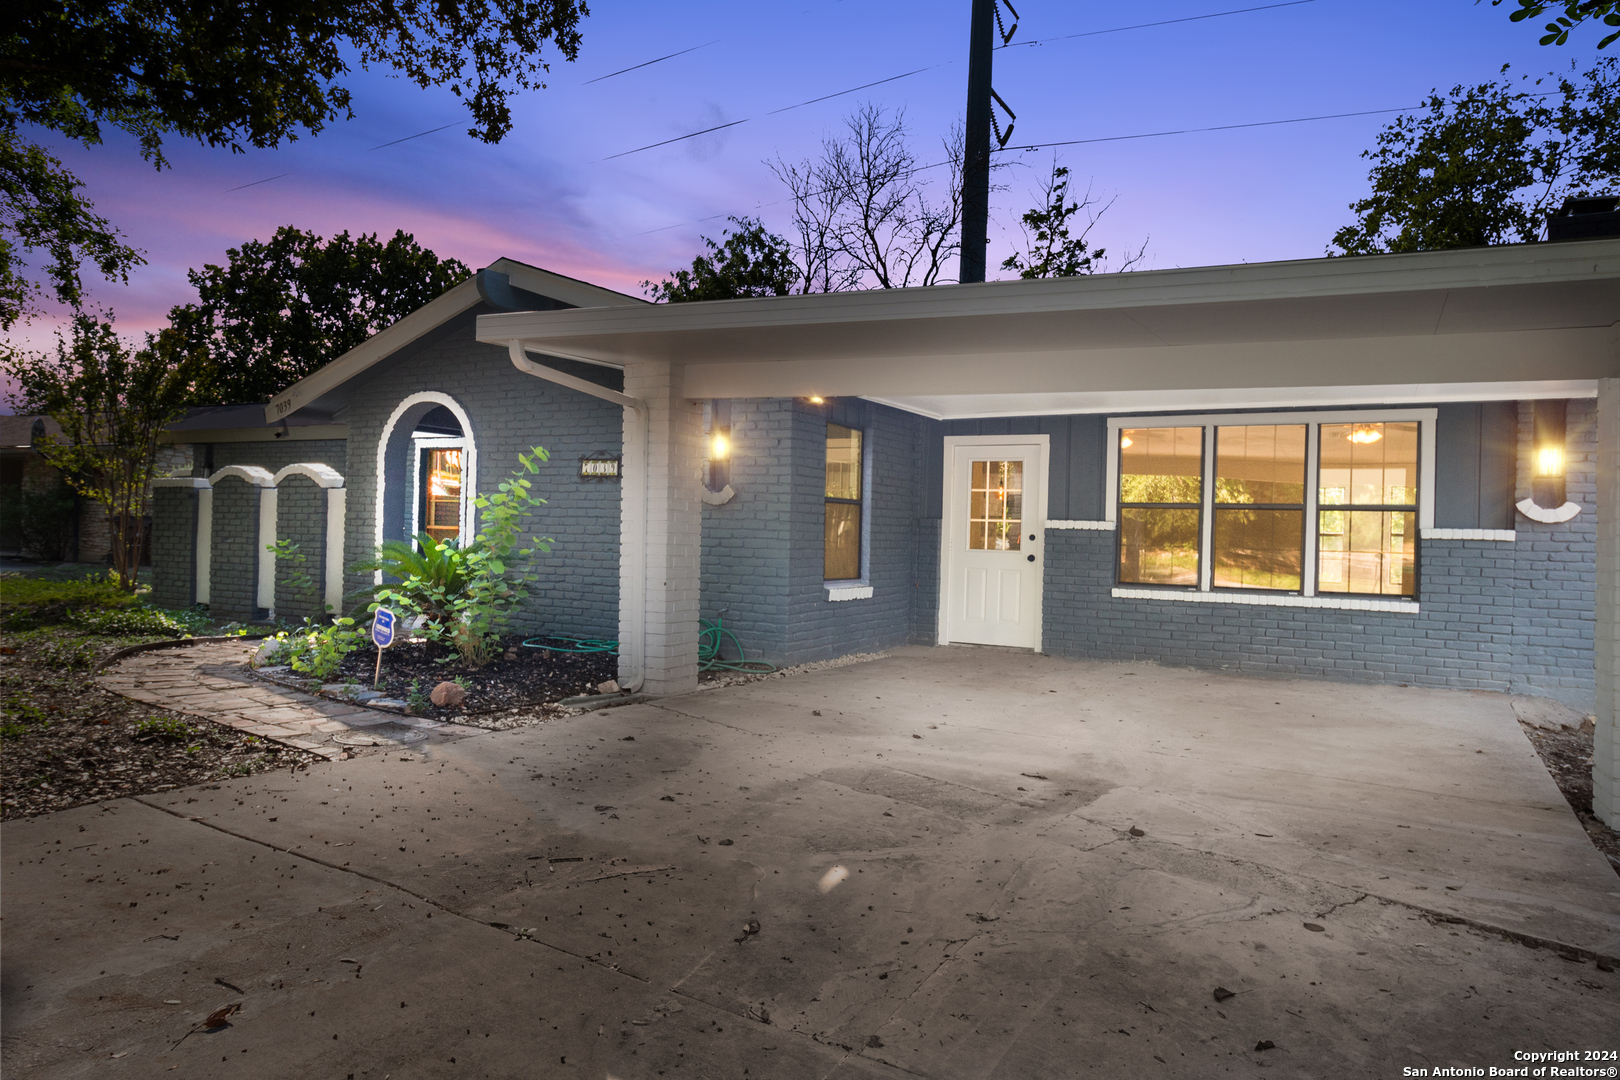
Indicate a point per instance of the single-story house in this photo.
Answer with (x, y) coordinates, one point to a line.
(1396, 468)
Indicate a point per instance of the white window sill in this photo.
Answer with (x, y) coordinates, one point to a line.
(847, 590)
(1505, 536)
(1342, 603)
(1109, 525)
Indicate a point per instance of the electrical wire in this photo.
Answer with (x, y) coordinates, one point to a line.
(1162, 22)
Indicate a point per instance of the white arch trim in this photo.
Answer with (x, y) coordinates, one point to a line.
(253, 474)
(469, 464)
(323, 475)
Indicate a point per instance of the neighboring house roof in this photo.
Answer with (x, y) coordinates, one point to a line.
(1345, 329)
(504, 285)
(19, 432)
(246, 423)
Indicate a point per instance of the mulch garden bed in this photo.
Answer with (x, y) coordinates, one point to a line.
(1568, 757)
(64, 741)
(520, 677)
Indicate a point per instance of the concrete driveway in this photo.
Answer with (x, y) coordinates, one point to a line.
(960, 863)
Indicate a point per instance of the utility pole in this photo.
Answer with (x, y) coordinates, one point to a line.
(976, 151)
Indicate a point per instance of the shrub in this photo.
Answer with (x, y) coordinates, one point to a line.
(30, 600)
(319, 651)
(39, 521)
(432, 578)
(131, 622)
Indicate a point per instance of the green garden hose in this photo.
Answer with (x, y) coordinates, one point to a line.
(711, 638)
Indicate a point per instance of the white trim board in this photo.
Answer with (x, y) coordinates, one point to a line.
(1347, 603)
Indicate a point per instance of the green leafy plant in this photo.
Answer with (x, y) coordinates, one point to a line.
(432, 578)
(131, 622)
(320, 652)
(166, 728)
(415, 700)
(28, 601)
(467, 595)
(299, 582)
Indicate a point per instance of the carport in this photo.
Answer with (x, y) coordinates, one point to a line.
(952, 862)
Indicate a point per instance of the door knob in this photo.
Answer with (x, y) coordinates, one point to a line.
(1032, 536)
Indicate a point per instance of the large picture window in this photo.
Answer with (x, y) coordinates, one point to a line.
(1304, 504)
(841, 555)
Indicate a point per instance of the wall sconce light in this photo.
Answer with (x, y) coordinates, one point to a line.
(1547, 483)
(815, 400)
(719, 447)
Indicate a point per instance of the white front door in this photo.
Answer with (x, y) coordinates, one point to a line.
(994, 540)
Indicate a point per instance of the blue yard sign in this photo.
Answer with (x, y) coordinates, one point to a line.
(382, 628)
(382, 634)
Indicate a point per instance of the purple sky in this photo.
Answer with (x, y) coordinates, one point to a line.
(549, 196)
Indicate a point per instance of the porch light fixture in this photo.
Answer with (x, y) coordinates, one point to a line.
(719, 447)
(814, 400)
(1364, 434)
(1550, 461)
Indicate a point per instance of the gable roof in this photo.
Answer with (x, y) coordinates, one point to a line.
(525, 282)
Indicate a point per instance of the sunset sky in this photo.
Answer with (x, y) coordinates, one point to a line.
(552, 194)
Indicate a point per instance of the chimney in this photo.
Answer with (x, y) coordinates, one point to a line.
(1585, 219)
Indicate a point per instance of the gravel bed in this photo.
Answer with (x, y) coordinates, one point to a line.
(64, 741)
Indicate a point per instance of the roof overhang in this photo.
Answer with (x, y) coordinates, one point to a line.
(1441, 325)
(429, 317)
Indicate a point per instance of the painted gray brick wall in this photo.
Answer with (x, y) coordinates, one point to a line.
(763, 551)
(301, 518)
(578, 588)
(1555, 579)
(233, 577)
(174, 533)
(1462, 637)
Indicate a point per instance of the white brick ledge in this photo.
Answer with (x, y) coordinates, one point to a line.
(1506, 536)
(1109, 525)
(849, 592)
(1344, 603)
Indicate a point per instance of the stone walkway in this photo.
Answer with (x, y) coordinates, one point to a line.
(212, 682)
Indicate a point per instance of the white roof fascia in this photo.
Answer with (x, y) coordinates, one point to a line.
(1428, 271)
(429, 317)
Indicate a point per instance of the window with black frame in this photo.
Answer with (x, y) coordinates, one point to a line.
(841, 556)
(1161, 471)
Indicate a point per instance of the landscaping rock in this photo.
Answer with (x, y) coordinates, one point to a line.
(448, 695)
(609, 687)
(1546, 714)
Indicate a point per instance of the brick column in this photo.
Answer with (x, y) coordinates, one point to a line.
(661, 525)
(1606, 749)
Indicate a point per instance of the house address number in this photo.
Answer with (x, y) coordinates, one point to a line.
(599, 468)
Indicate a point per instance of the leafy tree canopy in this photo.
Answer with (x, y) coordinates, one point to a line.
(1486, 164)
(227, 74)
(254, 71)
(1575, 13)
(279, 309)
(748, 262)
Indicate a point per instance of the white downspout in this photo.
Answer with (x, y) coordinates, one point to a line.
(637, 603)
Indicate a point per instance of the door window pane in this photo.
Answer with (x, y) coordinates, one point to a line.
(441, 494)
(1260, 464)
(842, 558)
(1158, 546)
(1161, 465)
(996, 506)
(1259, 549)
(1367, 551)
(1369, 464)
(843, 462)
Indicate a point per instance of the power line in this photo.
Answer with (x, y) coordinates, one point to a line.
(851, 90)
(1162, 22)
(1218, 127)
(408, 138)
(649, 63)
(676, 139)
(256, 183)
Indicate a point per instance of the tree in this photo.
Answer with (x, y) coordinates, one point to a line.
(280, 309)
(1575, 13)
(41, 210)
(112, 403)
(862, 213)
(1050, 248)
(1485, 164)
(227, 74)
(749, 262)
